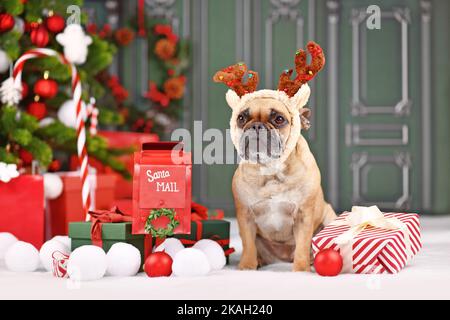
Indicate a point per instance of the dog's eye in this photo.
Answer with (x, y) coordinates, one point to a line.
(241, 118)
(279, 120)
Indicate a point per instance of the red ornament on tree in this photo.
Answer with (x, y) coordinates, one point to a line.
(6, 22)
(46, 88)
(37, 109)
(328, 263)
(25, 156)
(158, 264)
(25, 90)
(54, 166)
(55, 23)
(39, 36)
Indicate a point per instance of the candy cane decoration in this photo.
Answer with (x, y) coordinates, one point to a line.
(12, 92)
(93, 112)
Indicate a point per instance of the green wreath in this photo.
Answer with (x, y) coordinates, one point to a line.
(161, 232)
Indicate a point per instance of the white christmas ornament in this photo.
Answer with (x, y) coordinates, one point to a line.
(214, 253)
(67, 113)
(190, 262)
(19, 25)
(8, 172)
(87, 263)
(75, 43)
(47, 250)
(64, 239)
(171, 246)
(124, 260)
(53, 186)
(45, 122)
(22, 257)
(6, 240)
(5, 61)
(10, 92)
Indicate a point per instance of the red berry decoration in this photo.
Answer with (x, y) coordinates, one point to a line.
(158, 264)
(37, 109)
(55, 23)
(25, 156)
(54, 166)
(39, 36)
(328, 263)
(6, 22)
(46, 88)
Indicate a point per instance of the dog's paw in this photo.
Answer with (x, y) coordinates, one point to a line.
(301, 267)
(248, 265)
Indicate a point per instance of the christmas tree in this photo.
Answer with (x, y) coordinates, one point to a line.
(41, 124)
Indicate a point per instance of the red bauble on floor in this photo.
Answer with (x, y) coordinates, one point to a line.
(158, 264)
(328, 263)
(46, 88)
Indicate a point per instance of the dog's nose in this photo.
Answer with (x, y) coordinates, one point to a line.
(257, 126)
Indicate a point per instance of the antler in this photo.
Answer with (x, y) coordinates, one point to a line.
(305, 72)
(232, 76)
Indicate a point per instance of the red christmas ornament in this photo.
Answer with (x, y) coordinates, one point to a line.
(25, 156)
(46, 88)
(39, 36)
(37, 109)
(55, 23)
(6, 22)
(158, 264)
(328, 263)
(54, 166)
(25, 90)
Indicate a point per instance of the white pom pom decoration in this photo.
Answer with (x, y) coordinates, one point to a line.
(171, 246)
(64, 239)
(46, 252)
(214, 253)
(53, 186)
(75, 43)
(190, 262)
(6, 240)
(67, 111)
(87, 263)
(124, 260)
(22, 257)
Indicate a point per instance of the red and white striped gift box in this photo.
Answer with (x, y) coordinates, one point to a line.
(373, 250)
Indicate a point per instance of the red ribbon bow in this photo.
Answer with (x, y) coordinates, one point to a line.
(114, 215)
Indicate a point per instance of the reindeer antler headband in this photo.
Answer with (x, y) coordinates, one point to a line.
(233, 75)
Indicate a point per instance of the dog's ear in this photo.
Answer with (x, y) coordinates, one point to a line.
(232, 98)
(305, 114)
(300, 99)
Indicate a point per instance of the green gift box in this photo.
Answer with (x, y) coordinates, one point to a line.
(217, 230)
(80, 234)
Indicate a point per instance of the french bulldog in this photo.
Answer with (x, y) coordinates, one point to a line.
(277, 186)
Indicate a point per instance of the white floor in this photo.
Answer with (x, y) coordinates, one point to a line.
(428, 277)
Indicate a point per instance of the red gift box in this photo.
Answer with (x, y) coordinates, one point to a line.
(162, 179)
(68, 207)
(120, 139)
(22, 209)
(371, 242)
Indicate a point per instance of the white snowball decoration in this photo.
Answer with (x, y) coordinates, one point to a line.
(190, 262)
(87, 263)
(5, 61)
(6, 240)
(171, 246)
(46, 252)
(53, 186)
(75, 43)
(124, 260)
(214, 253)
(22, 257)
(67, 113)
(64, 239)
(10, 92)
